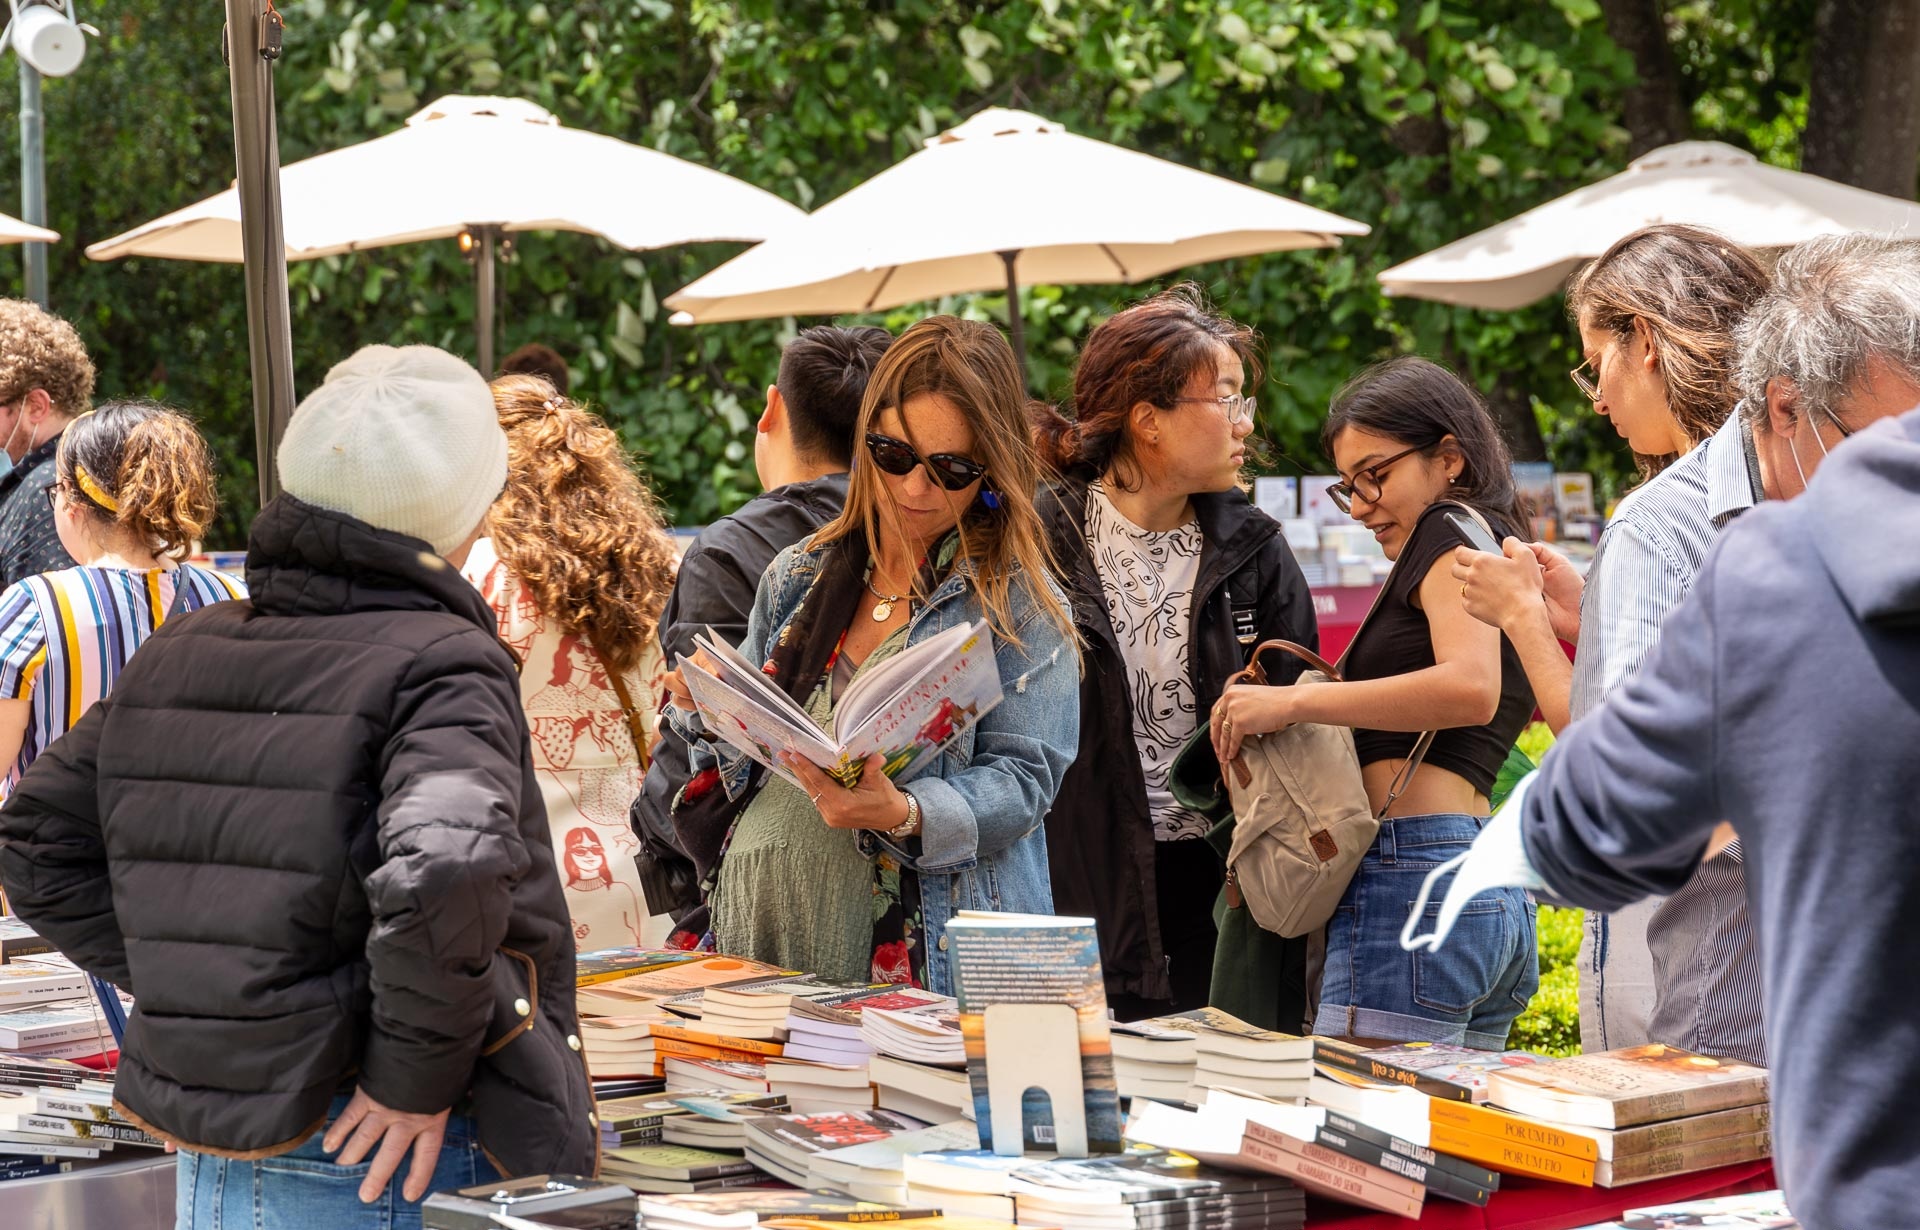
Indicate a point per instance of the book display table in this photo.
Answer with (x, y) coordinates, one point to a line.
(126, 1194)
(1535, 1204)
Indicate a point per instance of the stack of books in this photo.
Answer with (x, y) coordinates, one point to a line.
(922, 1035)
(875, 1170)
(667, 1169)
(643, 1120)
(816, 1088)
(52, 1112)
(623, 1046)
(1153, 1059)
(784, 1145)
(1152, 1190)
(934, 1092)
(1451, 1073)
(1753, 1211)
(740, 1210)
(1229, 1053)
(731, 1075)
(963, 1183)
(1647, 1111)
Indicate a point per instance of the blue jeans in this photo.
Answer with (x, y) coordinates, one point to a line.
(1469, 992)
(303, 1190)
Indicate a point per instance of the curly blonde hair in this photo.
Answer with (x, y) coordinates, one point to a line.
(575, 525)
(38, 350)
(146, 470)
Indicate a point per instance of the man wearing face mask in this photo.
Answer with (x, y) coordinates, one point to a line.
(46, 380)
(1784, 698)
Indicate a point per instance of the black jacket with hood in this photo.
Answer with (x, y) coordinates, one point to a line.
(305, 833)
(1100, 833)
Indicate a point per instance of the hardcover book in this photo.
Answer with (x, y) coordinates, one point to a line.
(1623, 1088)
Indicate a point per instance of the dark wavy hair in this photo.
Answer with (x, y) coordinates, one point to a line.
(1420, 403)
(1146, 353)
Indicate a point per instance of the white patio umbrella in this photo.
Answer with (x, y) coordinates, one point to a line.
(1005, 198)
(13, 230)
(1701, 182)
(481, 167)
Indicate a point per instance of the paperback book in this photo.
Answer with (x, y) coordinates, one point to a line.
(1455, 1073)
(1623, 1088)
(1032, 1004)
(904, 710)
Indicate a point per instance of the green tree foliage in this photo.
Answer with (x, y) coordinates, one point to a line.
(1425, 119)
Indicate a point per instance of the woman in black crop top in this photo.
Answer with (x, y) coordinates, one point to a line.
(1411, 441)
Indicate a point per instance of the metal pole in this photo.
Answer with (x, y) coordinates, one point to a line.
(33, 177)
(483, 297)
(256, 155)
(1015, 326)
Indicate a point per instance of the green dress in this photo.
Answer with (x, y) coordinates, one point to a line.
(794, 892)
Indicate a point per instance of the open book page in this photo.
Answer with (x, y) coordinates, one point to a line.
(745, 676)
(739, 717)
(911, 706)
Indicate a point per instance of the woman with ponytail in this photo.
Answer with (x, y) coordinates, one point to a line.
(132, 494)
(1174, 578)
(576, 567)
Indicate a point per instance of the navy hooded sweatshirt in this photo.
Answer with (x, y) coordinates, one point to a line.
(1785, 697)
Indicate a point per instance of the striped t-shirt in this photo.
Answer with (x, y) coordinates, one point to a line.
(64, 637)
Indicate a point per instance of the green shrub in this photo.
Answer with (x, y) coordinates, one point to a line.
(1551, 1023)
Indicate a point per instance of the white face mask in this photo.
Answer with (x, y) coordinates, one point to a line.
(1496, 859)
(1793, 447)
(20, 418)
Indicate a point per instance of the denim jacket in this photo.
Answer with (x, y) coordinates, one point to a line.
(982, 803)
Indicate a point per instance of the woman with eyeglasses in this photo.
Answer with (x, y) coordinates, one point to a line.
(858, 883)
(1174, 577)
(1656, 315)
(1414, 443)
(132, 494)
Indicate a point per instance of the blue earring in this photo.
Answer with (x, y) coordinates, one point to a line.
(990, 498)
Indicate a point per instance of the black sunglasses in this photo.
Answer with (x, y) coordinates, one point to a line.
(897, 458)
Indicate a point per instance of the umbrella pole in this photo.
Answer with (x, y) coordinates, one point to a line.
(1015, 326)
(33, 177)
(483, 292)
(256, 155)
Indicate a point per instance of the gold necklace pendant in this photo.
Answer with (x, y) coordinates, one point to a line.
(883, 612)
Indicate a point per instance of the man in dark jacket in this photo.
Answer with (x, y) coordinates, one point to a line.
(1785, 698)
(1100, 834)
(46, 381)
(306, 835)
(802, 450)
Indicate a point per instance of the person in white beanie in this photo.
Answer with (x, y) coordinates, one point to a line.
(304, 831)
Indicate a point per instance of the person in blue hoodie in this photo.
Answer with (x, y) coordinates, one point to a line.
(1784, 697)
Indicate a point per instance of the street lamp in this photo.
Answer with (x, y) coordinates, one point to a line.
(49, 42)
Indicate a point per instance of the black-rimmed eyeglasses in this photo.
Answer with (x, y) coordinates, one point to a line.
(1366, 483)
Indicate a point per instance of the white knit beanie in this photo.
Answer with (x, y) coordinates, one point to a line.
(404, 438)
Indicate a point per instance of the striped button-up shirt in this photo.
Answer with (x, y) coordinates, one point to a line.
(1705, 974)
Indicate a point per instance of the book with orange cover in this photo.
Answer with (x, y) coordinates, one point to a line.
(1511, 1156)
(698, 975)
(1512, 1128)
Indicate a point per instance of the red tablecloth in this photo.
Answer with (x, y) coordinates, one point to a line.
(1535, 1204)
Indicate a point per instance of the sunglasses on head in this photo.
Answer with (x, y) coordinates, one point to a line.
(898, 458)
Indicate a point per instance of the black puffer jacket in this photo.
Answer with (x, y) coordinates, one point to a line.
(1100, 832)
(304, 832)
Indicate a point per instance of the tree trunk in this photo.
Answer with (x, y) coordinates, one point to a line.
(1863, 100)
(1655, 110)
(1513, 410)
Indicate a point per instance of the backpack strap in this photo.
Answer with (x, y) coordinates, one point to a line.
(635, 730)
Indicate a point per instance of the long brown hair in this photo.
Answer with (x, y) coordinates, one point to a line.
(970, 364)
(144, 468)
(1691, 287)
(575, 526)
(1146, 353)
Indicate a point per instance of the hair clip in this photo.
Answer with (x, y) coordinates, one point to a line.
(94, 491)
(551, 406)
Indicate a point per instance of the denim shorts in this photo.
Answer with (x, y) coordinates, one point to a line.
(1467, 993)
(304, 1190)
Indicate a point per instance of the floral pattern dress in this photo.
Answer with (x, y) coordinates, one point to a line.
(584, 758)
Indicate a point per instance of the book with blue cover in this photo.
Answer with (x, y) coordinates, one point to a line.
(1033, 1008)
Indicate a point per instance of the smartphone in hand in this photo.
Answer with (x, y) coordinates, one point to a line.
(1470, 529)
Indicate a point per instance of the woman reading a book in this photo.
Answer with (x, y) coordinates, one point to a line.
(1174, 578)
(856, 880)
(1413, 443)
(576, 568)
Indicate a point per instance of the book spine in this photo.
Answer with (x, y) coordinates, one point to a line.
(700, 1050)
(24, 946)
(1413, 1189)
(1355, 1060)
(121, 1134)
(1502, 1154)
(1478, 1176)
(1721, 1152)
(1435, 1180)
(1658, 1137)
(1634, 1111)
(1330, 1181)
(716, 1042)
(620, 1138)
(1530, 1133)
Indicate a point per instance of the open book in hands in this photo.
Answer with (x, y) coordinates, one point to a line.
(905, 709)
